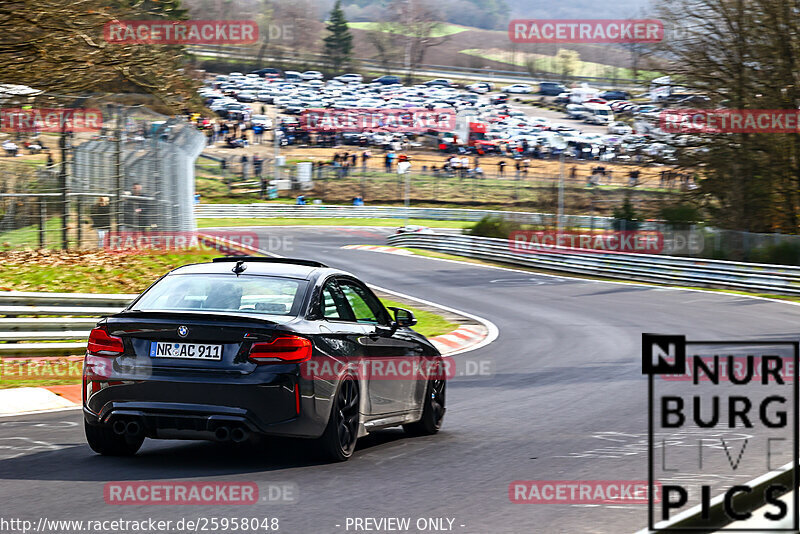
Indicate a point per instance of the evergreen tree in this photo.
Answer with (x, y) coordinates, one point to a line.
(339, 42)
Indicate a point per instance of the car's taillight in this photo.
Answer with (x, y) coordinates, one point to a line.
(102, 344)
(282, 349)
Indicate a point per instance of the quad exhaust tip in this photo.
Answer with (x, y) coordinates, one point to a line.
(119, 427)
(222, 433)
(238, 435)
(123, 427)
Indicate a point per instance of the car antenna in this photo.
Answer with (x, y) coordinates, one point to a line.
(239, 267)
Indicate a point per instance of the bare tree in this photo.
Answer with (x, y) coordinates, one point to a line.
(58, 45)
(387, 44)
(421, 29)
(742, 55)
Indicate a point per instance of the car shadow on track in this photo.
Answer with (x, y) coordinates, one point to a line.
(160, 460)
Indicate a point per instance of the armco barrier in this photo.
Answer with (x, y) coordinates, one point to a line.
(263, 210)
(23, 321)
(639, 267)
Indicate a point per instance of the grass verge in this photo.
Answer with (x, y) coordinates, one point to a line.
(90, 272)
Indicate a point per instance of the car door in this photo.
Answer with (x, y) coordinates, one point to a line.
(392, 354)
(338, 338)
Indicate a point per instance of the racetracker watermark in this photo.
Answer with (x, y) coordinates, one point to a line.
(389, 368)
(581, 492)
(585, 31)
(50, 119)
(638, 242)
(226, 242)
(405, 120)
(746, 425)
(736, 370)
(198, 493)
(181, 32)
(713, 121)
(41, 368)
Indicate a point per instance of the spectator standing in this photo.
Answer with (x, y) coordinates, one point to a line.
(244, 166)
(100, 215)
(136, 213)
(258, 133)
(464, 166)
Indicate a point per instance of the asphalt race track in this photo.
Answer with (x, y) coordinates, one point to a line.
(567, 402)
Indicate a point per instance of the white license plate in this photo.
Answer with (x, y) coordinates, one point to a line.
(188, 351)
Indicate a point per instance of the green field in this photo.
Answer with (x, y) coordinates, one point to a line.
(548, 63)
(440, 31)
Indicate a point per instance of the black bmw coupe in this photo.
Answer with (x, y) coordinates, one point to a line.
(247, 346)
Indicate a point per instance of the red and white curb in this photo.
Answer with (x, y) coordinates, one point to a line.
(380, 248)
(21, 401)
(460, 339)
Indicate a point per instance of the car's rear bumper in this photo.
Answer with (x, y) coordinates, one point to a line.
(174, 409)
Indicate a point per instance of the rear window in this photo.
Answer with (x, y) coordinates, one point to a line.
(225, 293)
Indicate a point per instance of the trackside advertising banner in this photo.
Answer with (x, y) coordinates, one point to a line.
(404, 120)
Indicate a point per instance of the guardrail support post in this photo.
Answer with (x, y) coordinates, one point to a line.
(42, 221)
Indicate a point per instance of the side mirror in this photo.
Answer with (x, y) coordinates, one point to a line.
(403, 317)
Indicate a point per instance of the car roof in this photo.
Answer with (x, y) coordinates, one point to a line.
(260, 267)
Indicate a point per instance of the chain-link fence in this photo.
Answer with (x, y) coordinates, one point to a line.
(133, 173)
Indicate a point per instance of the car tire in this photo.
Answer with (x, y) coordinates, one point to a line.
(432, 412)
(338, 441)
(104, 441)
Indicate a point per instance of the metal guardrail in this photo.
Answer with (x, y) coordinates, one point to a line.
(50, 336)
(263, 210)
(670, 270)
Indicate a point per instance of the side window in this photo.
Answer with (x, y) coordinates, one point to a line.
(332, 304)
(365, 307)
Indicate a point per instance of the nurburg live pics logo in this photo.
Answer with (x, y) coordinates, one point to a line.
(759, 404)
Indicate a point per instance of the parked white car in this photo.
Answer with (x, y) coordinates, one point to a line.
(481, 88)
(263, 120)
(311, 75)
(517, 89)
(619, 128)
(350, 77)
